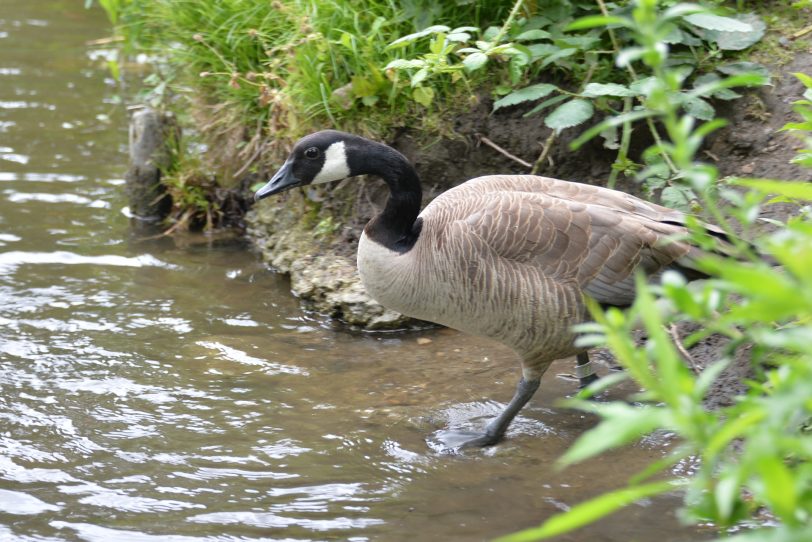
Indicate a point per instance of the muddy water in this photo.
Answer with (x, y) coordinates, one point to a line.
(151, 392)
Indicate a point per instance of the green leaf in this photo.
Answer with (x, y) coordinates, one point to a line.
(713, 79)
(678, 197)
(570, 114)
(699, 108)
(423, 95)
(805, 79)
(540, 50)
(563, 53)
(406, 40)
(730, 430)
(531, 35)
(589, 511)
(779, 486)
(545, 104)
(593, 90)
(789, 189)
(717, 22)
(475, 61)
(595, 21)
(458, 37)
(533, 92)
(644, 86)
(419, 76)
(628, 55)
(737, 41)
(464, 29)
(738, 80)
(681, 10)
(405, 64)
(736, 68)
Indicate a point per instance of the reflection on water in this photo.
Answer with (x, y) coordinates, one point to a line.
(150, 392)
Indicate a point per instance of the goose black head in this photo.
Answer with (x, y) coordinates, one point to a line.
(317, 158)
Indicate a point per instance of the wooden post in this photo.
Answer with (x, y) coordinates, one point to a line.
(154, 139)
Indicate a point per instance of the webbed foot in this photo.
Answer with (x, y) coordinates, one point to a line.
(453, 439)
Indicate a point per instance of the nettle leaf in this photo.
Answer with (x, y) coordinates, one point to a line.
(484, 45)
(475, 61)
(539, 50)
(405, 64)
(710, 21)
(516, 68)
(423, 95)
(580, 42)
(491, 32)
(530, 35)
(678, 36)
(464, 29)
(677, 197)
(563, 53)
(546, 103)
(593, 90)
(537, 21)
(628, 55)
(533, 92)
(736, 41)
(736, 68)
(681, 10)
(406, 40)
(570, 114)
(644, 86)
(458, 37)
(710, 79)
(419, 76)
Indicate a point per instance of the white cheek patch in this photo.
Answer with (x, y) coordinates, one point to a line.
(335, 165)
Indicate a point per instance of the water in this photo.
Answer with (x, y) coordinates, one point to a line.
(160, 391)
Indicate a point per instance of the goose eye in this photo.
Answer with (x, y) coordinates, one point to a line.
(311, 153)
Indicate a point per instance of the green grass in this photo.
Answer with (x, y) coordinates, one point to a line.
(300, 63)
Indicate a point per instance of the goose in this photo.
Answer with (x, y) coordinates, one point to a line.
(508, 257)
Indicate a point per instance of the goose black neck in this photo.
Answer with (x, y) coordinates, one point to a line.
(396, 227)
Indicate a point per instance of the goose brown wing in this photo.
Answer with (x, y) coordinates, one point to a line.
(591, 245)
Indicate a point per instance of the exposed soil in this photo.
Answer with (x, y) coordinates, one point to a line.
(322, 267)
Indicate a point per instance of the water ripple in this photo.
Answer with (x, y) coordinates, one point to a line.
(268, 520)
(14, 502)
(9, 261)
(24, 197)
(232, 354)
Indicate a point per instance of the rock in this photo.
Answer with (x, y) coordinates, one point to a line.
(325, 282)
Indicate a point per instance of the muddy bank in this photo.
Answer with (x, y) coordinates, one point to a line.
(313, 237)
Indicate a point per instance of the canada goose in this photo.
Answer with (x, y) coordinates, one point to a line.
(509, 257)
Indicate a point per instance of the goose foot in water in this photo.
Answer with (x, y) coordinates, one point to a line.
(455, 439)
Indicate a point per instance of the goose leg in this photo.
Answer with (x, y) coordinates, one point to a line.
(584, 370)
(497, 427)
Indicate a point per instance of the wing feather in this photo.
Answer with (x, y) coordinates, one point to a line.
(587, 235)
